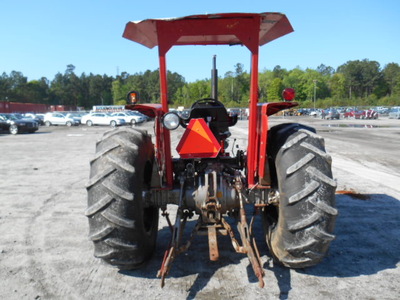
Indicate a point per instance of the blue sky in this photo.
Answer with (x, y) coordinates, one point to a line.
(40, 38)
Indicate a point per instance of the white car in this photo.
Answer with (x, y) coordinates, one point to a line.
(138, 113)
(394, 113)
(130, 117)
(58, 119)
(75, 115)
(100, 118)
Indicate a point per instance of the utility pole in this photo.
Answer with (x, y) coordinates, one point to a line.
(315, 91)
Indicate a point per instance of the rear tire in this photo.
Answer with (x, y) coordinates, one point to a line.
(122, 227)
(300, 228)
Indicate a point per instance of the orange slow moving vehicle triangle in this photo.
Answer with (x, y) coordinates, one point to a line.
(198, 141)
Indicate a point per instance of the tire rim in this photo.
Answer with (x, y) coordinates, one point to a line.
(13, 129)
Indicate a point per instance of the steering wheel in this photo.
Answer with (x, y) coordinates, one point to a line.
(211, 101)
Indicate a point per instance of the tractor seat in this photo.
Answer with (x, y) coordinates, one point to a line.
(215, 114)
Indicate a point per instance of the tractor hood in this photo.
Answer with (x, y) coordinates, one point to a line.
(249, 29)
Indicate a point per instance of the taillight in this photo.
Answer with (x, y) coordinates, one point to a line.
(133, 97)
(288, 94)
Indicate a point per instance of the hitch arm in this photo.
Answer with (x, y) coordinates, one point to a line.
(250, 248)
(249, 243)
(171, 252)
(175, 247)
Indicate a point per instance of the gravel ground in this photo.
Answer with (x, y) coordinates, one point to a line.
(45, 253)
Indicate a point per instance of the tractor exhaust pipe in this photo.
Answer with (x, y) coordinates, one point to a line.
(214, 79)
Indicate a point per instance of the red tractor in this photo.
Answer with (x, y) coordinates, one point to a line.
(284, 174)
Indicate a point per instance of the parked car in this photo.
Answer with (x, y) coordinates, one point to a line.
(41, 118)
(57, 118)
(77, 116)
(4, 125)
(330, 113)
(100, 118)
(12, 124)
(354, 114)
(360, 114)
(37, 117)
(394, 113)
(18, 115)
(382, 110)
(130, 117)
(138, 113)
(314, 112)
(370, 114)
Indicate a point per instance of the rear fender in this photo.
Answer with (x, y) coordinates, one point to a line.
(260, 150)
(277, 137)
(163, 140)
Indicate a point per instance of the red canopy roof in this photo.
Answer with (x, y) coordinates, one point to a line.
(247, 29)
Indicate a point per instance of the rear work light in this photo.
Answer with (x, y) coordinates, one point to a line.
(171, 121)
(288, 94)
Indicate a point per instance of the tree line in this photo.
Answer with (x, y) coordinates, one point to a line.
(355, 83)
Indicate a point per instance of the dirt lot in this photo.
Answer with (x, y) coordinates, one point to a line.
(45, 253)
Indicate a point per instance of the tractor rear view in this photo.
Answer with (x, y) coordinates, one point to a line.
(284, 174)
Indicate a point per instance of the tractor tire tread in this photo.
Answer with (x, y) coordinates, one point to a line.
(117, 220)
(101, 234)
(117, 191)
(104, 151)
(115, 210)
(299, 164)
(310, 188)
(100, 177)
(301, 247)
(300, 234)
(118, 244)
(100, 205)
(304, 221)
